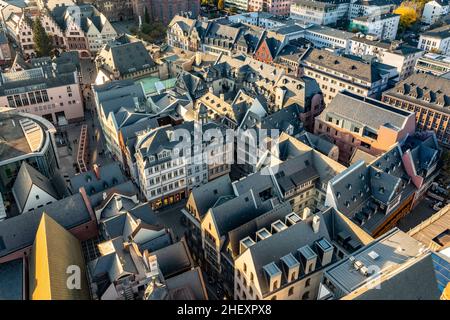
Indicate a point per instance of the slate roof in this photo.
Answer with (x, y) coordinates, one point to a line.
(12, 280)
(114, 263)
(365, 111)
(251, 227)
(126, 58)
(3, 38)
(19, 232)
(359, 191)
(110, 175)
(237, 211)
(26, 178)
(351, 67)
(439, 33)
(316, 142)
(174, 259)
(272, 249)
(192, 281)
(424, 89)
(206, 195)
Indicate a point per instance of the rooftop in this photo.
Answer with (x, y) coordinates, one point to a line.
(366, 72)
(434, 232)
(22, 134)
(12, 280)
(393, 253)
(439, 33)
(366, 111)
(332, 32)
(424, 89)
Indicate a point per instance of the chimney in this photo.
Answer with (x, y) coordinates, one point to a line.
(222, 96)
(306, 213)
(104, 195)
(198, 58)
(316, 223)
(96, 170)
(118, 202)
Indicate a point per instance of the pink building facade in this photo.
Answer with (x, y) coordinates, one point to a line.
(55, 97)
(277, 7)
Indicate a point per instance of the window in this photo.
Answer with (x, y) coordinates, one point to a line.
(305, 296)
(308, 282)
(245, 267)
(37, 197)
(291, 291)
(274, 297)
(275, 285)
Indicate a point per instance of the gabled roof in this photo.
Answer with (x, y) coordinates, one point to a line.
(26, 178)
(109, 175)
(189, 284)
(238, 210)
(125, 57)
(18, 232)
(206, 195)
(174, 259)
(273, 248)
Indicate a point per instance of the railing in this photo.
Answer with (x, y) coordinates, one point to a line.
(83, 149)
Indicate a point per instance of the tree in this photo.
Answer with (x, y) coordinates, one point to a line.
(221, 4)
(408, 16)
(42, 42)
(146, 16)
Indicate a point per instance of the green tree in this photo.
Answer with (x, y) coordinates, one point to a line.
(146, 15)
(42, 42)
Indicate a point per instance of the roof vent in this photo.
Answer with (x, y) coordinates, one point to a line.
(373, 255)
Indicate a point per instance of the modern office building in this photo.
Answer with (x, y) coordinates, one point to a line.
(25, 137)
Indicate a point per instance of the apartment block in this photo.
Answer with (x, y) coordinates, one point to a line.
(436, 64)
(324, 12)
(394, 53)
(45, 90)
(356, 122)
(335, 73)
(276, 7)
(436, 40)
(326, 37)
(384, 26)
(168, 171)
(434, 10)
(376, 194)
(426, 95)
(381, 270)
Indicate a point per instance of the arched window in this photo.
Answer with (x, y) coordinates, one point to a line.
(275, 285)
(305, 296)
(291, 291)
(274, 297)
(293, 276)
(245, 267)
(308, 282)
